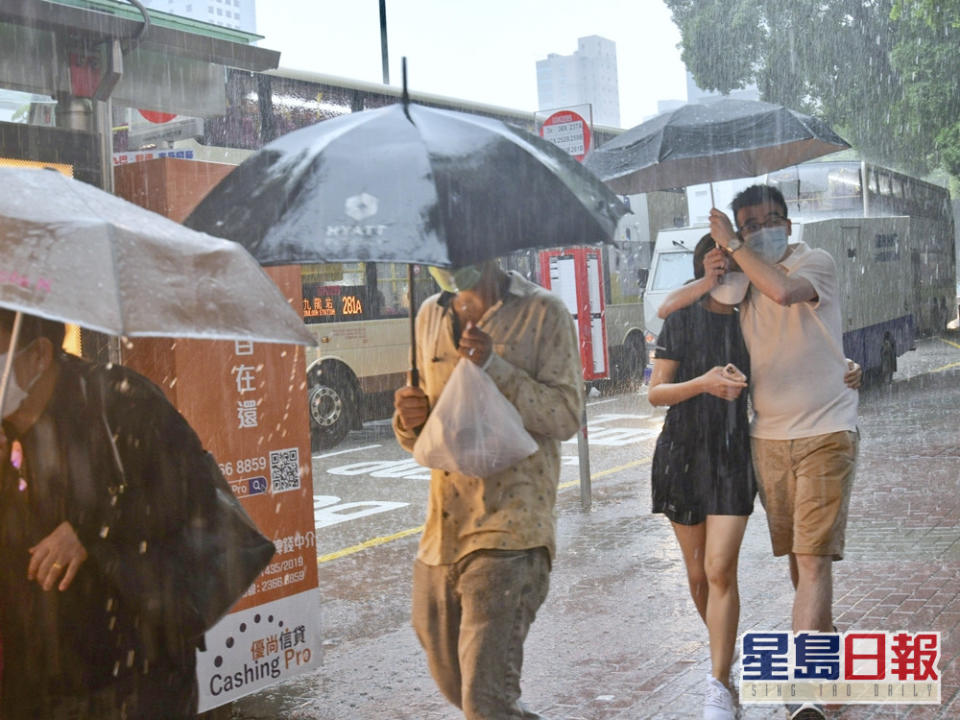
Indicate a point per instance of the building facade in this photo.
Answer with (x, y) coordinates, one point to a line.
(588, 76)
(238, 14)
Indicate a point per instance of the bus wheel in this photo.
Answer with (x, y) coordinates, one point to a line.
(330, 400)
(888, 360)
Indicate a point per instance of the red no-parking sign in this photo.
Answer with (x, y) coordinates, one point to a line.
(568, 131)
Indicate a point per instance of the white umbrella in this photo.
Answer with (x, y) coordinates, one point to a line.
(75, 253)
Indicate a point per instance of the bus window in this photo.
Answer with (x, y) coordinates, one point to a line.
(391, 284)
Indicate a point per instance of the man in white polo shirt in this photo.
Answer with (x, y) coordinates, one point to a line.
(804, 432)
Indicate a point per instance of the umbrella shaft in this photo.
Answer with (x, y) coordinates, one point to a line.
(11, 351)
(413, 378)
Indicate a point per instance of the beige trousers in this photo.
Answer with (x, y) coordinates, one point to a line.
(472, 618)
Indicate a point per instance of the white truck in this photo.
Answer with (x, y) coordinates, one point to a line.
(880, 293)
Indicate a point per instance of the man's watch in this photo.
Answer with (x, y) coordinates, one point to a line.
(734, 244)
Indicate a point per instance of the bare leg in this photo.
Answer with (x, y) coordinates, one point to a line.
(692, 539)
(814, 597)
(723, 538)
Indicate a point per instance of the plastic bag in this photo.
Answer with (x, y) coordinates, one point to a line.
(473, 429)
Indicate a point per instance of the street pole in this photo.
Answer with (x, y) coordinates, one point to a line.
(583, 449)
(384, 58)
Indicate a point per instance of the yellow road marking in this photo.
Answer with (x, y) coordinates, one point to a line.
(946, 367)
(604, 473)
(383, 540)
(950, 343)
(372, 542)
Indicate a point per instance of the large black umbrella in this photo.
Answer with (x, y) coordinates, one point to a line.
(411, 184)
(706, 142)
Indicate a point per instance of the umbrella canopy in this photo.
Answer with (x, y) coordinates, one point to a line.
(409, 184)
(698, 143)
(75, 253)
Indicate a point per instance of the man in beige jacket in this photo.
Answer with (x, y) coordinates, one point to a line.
(482, 570)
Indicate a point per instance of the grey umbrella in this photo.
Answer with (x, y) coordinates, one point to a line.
(698, 143)
(75, 253)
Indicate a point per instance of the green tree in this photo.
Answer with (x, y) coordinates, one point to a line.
(884, 73)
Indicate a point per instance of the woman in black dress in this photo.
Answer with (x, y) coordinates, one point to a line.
(702, 477)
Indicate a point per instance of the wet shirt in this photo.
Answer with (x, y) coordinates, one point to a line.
(536, 365)
(797, 355)
(105, 625)
(701, 464)
(699, 340)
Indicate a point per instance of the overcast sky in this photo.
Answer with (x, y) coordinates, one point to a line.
(480, 50)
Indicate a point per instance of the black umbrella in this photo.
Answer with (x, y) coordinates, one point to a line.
(699, 143)
(411, 184)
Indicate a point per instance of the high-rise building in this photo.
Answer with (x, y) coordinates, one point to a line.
(589, 75)
(238, 14)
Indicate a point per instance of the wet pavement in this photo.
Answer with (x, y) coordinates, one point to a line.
(618, 637)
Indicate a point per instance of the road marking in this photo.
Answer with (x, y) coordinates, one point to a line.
(617, 437)
(602, 402)
(604, 473)
(341, 452)
(372, 542)
(950, 343)
(405, 467)
(383, 540)
(328, 510)
(946, 367)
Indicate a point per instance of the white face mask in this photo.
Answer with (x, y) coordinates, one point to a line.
(731, 289)
(15, 394)
(770, 243)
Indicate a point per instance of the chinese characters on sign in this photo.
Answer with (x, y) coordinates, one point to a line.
(332, 302)
(852, 667)
(245, 375)
(568, 131)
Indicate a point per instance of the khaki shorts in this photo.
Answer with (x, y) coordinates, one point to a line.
(804, 485)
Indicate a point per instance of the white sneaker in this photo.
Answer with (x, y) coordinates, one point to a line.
(717, 702)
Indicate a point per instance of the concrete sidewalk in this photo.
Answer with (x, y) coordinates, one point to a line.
(636, 648)
(618, 638)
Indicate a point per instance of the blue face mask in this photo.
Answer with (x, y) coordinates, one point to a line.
(769, 243)
(454, 281)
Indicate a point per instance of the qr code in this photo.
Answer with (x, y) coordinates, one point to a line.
(285, 470)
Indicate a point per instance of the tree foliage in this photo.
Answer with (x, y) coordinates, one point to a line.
(884, 73)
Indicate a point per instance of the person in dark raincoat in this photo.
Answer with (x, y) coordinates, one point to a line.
(90, 614)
